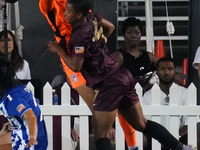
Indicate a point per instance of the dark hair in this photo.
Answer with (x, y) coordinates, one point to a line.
(131, 21)
(7, 76)
(16, 60)
(81, 6)
(165, 59)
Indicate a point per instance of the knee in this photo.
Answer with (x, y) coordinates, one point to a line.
(141, 124)
(100, 133)
(100, 130)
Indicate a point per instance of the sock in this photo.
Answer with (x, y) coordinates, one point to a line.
(161, 134)
(129, 132)
(103, 144)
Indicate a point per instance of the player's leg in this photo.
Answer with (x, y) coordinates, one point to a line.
(87, 94)
(77, 82)
(102, 123)
(129, 132)
(5, 138)
(6, 147)
(5, 142)
(135, 117)
(108, 95)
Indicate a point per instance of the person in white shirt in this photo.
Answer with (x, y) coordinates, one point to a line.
(196, 63)
(166, 73)
(20, 65)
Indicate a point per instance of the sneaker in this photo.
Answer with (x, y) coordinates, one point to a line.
(189, 147)
(133, 148)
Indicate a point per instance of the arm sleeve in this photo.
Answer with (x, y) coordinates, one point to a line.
(80, 43)
(81, 40)
(18, 106)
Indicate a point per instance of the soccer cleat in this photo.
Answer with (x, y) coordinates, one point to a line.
(133, 148)
(189, 147)
(136, 148)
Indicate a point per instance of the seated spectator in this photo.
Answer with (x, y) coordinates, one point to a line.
(166, 73)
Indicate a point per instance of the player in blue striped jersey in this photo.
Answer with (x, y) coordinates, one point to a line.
(22, 111)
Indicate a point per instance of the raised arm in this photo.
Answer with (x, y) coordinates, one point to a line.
(108, 27)
(46, 5)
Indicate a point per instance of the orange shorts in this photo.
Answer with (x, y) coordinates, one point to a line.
(75, 78)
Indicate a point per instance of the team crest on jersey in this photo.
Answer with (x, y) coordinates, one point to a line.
(20, 107)
(79, 50)
(74, 77)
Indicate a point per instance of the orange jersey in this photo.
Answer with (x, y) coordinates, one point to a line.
(56, 19)
(75, 78)
(54, 13)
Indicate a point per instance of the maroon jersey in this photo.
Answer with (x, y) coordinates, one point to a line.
(88, 41)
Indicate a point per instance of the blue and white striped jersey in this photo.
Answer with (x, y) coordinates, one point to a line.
(14, 104)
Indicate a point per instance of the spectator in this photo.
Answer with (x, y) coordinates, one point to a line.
(139, 62)
(166, 73)
(20, 65)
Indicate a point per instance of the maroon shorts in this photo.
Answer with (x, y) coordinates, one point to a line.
(115, 92)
